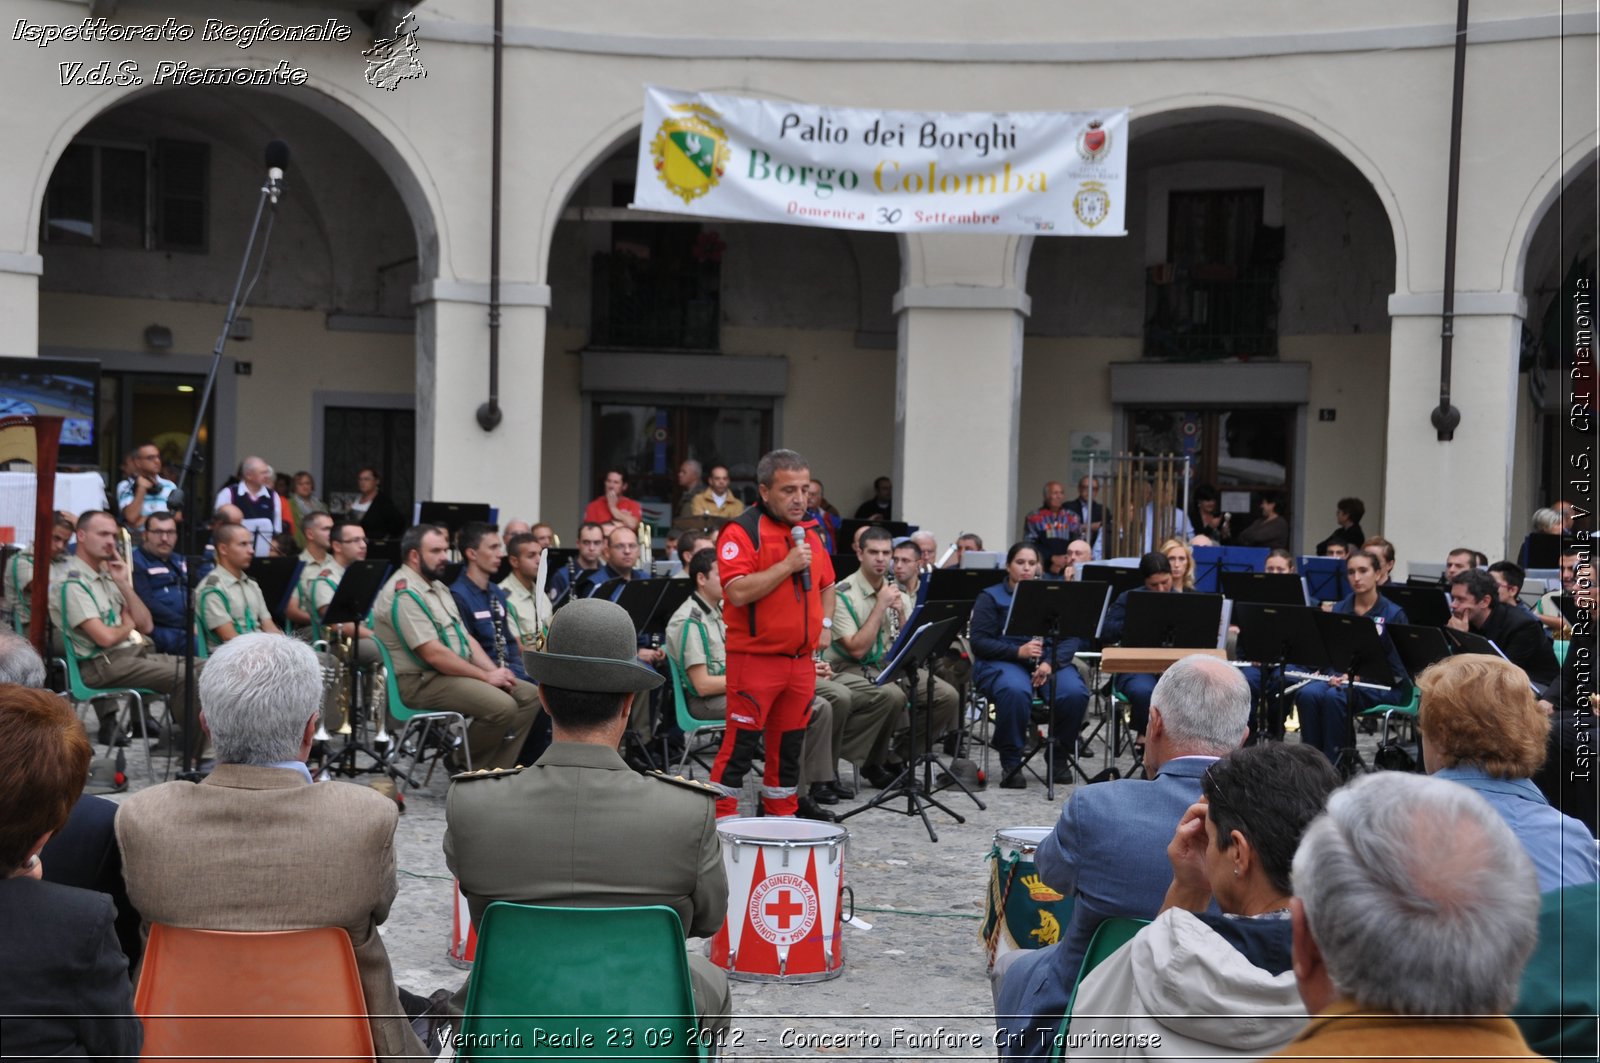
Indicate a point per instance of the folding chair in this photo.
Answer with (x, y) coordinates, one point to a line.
(688, 722)
(79, 691)
(417, 728)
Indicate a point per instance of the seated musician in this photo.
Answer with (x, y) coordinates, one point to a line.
(827, 518)
(1549, 610)
(1383, 550)
(573, 579)
(107, 624)
(530, 607)
(1279, 561)
(1156, 571)
(1518, 633)
(229, 602)
(1324, 708)
(1002, 668)
(620, 556)
(436, 664)
(318, 530)
(347, 544)
(964, 542)
(695, 641)
(19, 577)
(1458, 561)
(159, 579)
(1180, 559)
(486, 611)
(868, 610)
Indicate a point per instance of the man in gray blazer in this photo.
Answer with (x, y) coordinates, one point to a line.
(1109, 849)
(258, 845)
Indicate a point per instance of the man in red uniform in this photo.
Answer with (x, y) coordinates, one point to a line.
(614, 508)
(777, 597)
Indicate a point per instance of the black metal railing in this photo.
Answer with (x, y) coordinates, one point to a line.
(640, 303)
(1211, 313)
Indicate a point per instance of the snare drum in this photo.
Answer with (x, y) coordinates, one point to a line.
(1021, 911)
(785, 887)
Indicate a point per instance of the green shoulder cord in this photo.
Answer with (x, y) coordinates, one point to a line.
(460, 649)
(876, 656)
(108, 616)
(244, 627)
(310, 607)
(705, 644)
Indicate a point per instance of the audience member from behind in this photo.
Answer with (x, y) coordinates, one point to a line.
(63, 977)
(1184, 984)
(258, 845)
(1414, 912)
(1482, 728)
(1109, 848)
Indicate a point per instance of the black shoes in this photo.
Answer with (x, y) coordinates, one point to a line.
(822, 794)
(1014, 779)
(879, 776)
(111, 734)
(841, 789)
(809, 809)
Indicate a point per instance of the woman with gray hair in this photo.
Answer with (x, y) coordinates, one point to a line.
(1202, 985)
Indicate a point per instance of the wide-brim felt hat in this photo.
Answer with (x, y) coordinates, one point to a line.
(592, 646)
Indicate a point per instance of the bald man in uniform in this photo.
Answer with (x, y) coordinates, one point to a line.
(553, 833)
(229, 602)
(438, 665)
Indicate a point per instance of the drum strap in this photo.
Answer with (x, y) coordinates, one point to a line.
(997, 898)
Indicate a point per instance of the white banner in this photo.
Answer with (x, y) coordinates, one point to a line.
(1038, 173)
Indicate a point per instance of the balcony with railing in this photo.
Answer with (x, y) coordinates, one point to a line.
(1207, 313)
(642, 303)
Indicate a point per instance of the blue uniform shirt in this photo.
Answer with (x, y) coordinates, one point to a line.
(480, 615)
(160, 586)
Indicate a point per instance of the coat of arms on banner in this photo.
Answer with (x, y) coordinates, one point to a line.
(1094, 142)
(1092, 203)
(691, 152)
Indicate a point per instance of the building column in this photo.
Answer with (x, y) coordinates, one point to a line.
(457, 461)
(1439, 495)
(959, 384)
(19, 304)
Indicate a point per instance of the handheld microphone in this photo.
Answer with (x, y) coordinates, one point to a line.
(277, 162)
(799, 535)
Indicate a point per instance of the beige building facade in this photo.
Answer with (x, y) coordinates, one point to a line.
(1277, 296)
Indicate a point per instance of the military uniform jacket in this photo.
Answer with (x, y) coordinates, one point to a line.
(90, 594)
(228, 599)
(530, 610)
(695, 636)
(853, 602)
(311, 571)
(20, 575)
(410, 611)
(581, 828)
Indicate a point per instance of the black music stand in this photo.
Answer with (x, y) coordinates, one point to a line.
(927, 642)
(1354, 648)
(961, 584)
(350, 604)
(1544, 550)
(452, 516)
(1173, 621)
(844, 565)
(277, 577)
(1429, 606)
(641, 599)
(1053, 610)
(1275, 635)
(850, 525)
(1264, 588)
(1418, 646)
(1121, 577)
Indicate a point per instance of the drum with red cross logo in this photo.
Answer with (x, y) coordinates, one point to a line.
(785, 892)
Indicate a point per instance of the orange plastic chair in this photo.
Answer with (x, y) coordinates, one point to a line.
(215, 994)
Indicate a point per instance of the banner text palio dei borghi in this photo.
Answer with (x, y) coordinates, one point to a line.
(1039, 173)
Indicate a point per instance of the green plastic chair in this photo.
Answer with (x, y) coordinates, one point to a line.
(689, 722)
(1561, 646)
(1109, 936)
(80, 691)
(614, 980)
(417, 725)
(1403, 715)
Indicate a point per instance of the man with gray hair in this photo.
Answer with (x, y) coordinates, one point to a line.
(259, 506)
(259, 846)
(20, 663)
(1414, 913)
(1109, 849)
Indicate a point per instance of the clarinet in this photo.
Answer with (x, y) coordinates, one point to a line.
(497, 617)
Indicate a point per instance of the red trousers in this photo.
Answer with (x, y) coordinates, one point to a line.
(771, 695)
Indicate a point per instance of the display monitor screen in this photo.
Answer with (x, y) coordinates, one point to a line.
(59, 387)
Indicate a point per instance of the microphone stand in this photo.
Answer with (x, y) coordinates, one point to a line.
(193, 461)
